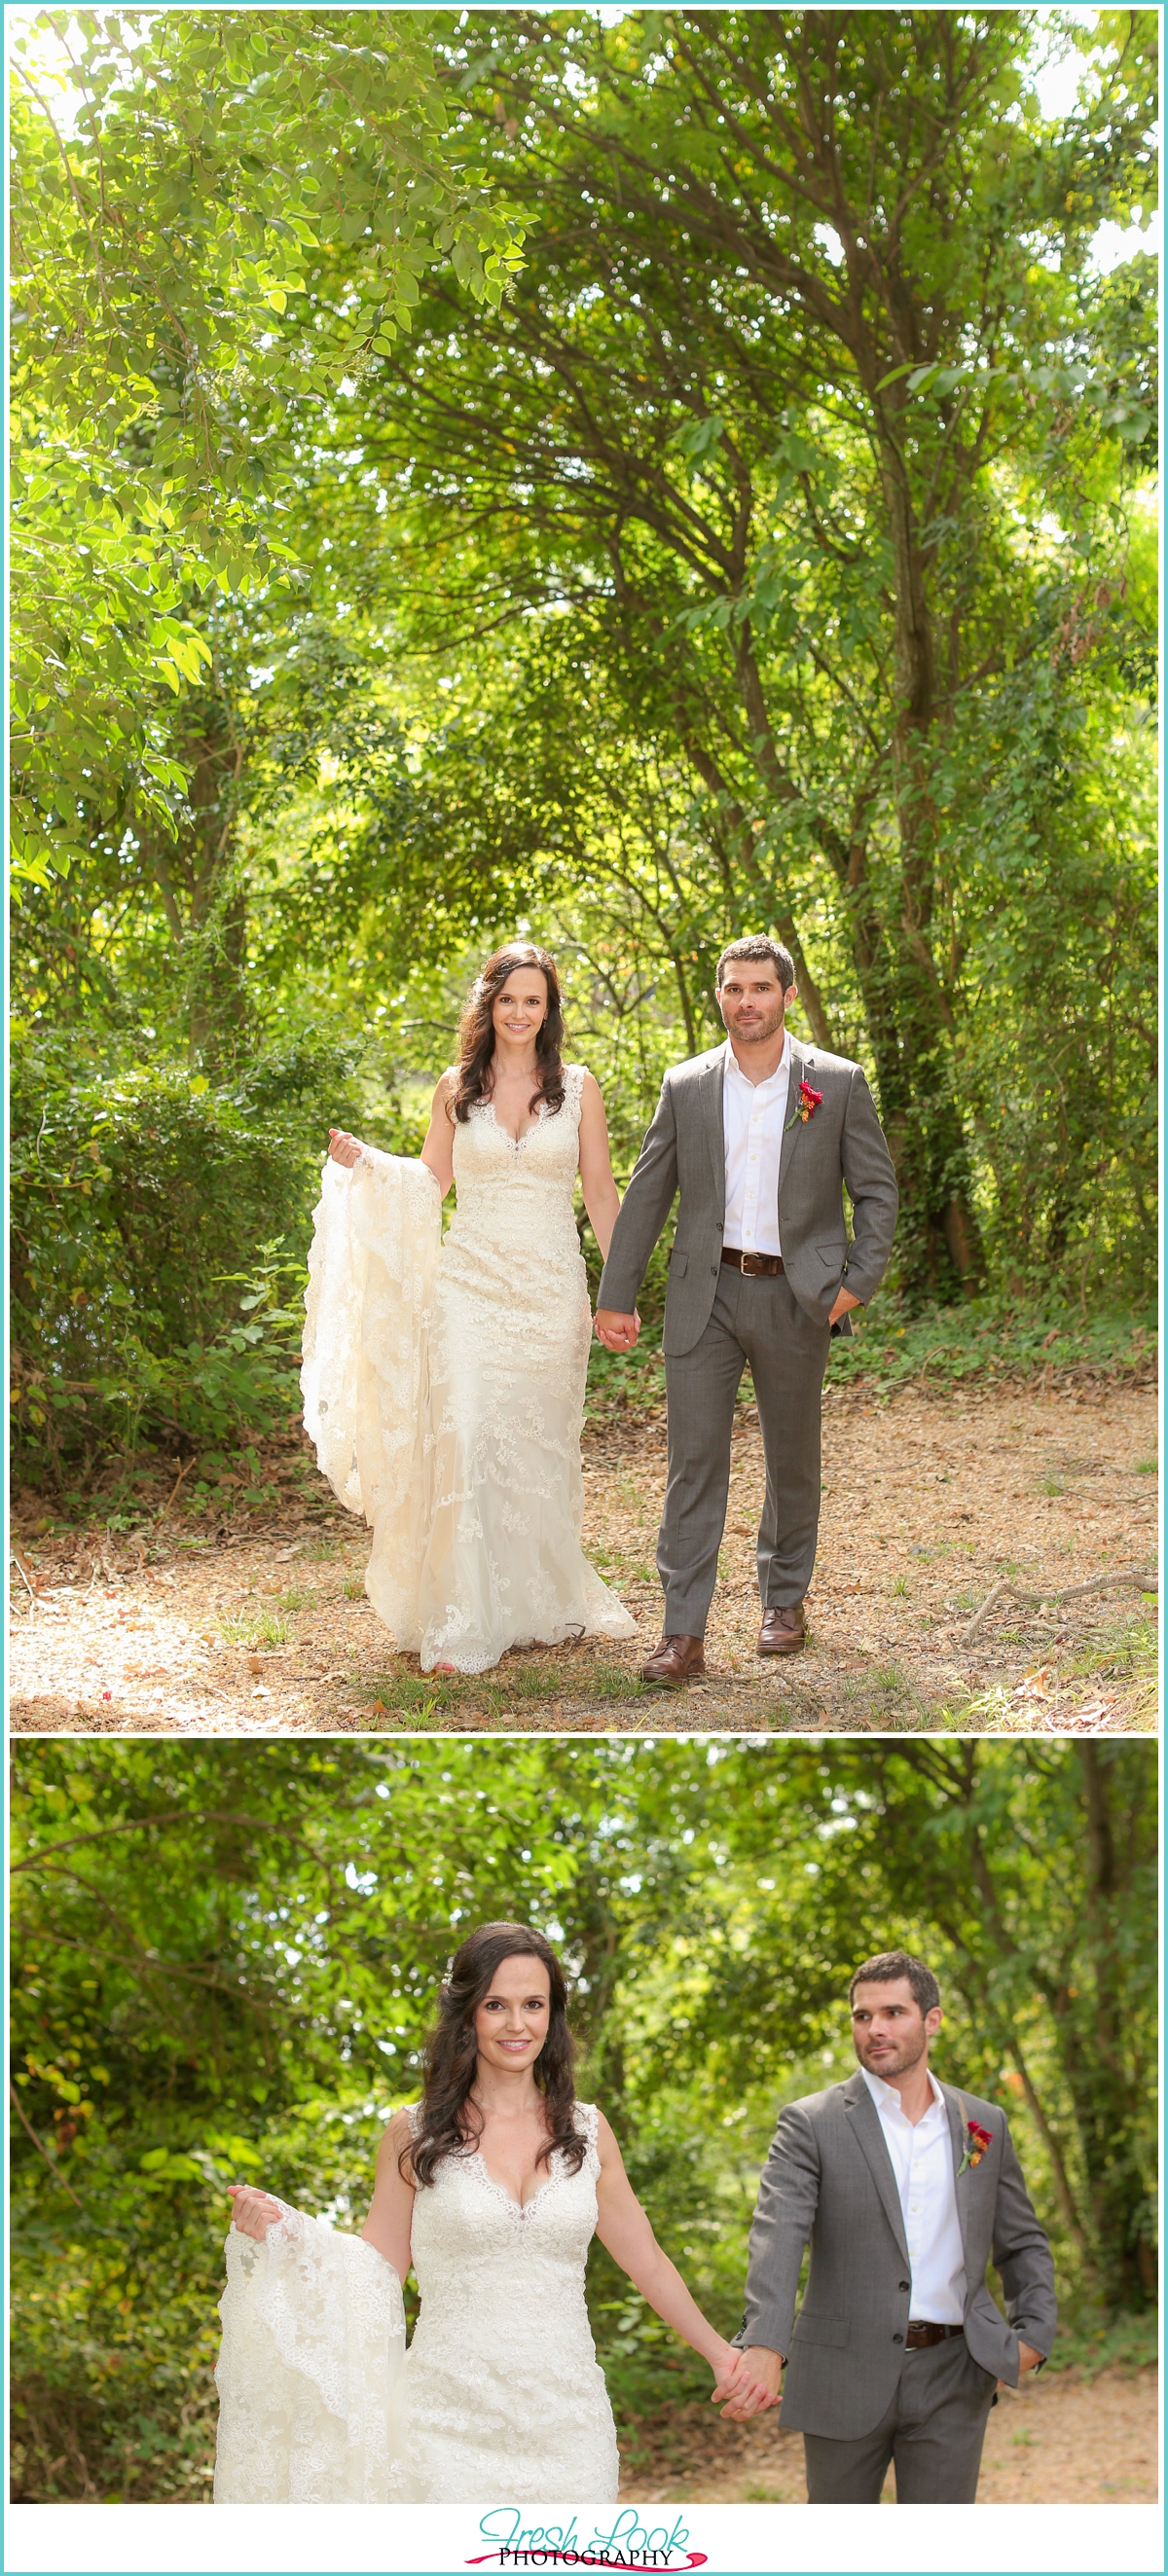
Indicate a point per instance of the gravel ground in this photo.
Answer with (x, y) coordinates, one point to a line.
(929, 1503)
(1059, 2441)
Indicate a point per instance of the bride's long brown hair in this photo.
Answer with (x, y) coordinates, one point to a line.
(450, 2124)
(476, 1033)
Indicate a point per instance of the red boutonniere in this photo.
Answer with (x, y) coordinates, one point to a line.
(805, 1106)
(977, 2140)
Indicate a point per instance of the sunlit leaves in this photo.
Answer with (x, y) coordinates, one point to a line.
(203, 232)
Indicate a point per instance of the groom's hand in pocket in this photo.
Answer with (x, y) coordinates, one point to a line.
(756, 2384)
(1028, 2359)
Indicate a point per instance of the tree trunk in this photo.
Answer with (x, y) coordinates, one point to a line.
(1103, 2086)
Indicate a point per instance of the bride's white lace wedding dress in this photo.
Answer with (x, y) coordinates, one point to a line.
(501, 2400)
(444, 1388)
(505, 2396)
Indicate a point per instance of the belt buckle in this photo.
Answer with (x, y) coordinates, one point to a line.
(751, 1262)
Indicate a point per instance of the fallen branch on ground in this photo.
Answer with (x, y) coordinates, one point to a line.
(183, 1471)
(1142, 1577)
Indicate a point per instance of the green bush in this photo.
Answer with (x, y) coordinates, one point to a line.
(159, 1234)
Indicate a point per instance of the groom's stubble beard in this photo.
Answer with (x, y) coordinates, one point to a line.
(892, 2062)
(767, 1025)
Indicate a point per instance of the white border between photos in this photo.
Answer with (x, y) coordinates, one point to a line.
(728, 2540)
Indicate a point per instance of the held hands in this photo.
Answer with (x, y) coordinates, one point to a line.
(252, 2213)
(751, 2380)
(344, 1148)
(617, 1332)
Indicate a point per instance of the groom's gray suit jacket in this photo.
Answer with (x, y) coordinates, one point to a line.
(842, 1141)
(829, 2178)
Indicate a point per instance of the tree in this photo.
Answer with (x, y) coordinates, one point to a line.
(777, 379)
(215, 215)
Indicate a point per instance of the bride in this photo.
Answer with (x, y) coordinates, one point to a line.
(444, 1379)
(492, 2187)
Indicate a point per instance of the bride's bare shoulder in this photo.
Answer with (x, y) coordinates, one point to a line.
(399, 2133)
(605, 2141)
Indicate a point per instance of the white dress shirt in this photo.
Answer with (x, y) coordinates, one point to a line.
(754, 1115)
(922, 2161)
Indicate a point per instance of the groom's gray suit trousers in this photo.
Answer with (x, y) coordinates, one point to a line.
(755, 1323)
(933, 2430)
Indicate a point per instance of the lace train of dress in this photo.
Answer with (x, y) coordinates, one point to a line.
(444, 1388)
(311, 2370)
(504, 2399)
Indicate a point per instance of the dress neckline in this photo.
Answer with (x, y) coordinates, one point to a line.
(517, 1141)
(521, 2207)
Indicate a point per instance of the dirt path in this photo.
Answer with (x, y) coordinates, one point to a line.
(1059, 2441)
(929, 1503)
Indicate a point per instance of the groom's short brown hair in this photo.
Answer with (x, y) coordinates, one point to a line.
(754, 949)
(891, 1964)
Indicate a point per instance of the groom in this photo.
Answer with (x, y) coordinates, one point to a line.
(760, 1135)
(906, 2189)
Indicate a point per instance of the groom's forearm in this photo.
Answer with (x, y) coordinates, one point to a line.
(1022, 2257)
(871, 1186)
(788, 2197)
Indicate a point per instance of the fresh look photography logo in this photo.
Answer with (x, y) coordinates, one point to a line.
(628, 2543)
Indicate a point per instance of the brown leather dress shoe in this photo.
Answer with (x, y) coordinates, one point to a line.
(783, 1632)
(674, 1661)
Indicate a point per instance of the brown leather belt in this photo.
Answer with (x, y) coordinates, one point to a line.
(754, 1265)
(922, 2332)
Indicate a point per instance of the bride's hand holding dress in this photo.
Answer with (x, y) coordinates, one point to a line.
(252, 2211)
(311, 2368)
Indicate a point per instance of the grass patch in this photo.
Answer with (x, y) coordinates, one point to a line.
(489, 1696)
(612, 1681)
(1091, 2343)
(259, 1629)
(1125, 1652)
(945, 1346)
